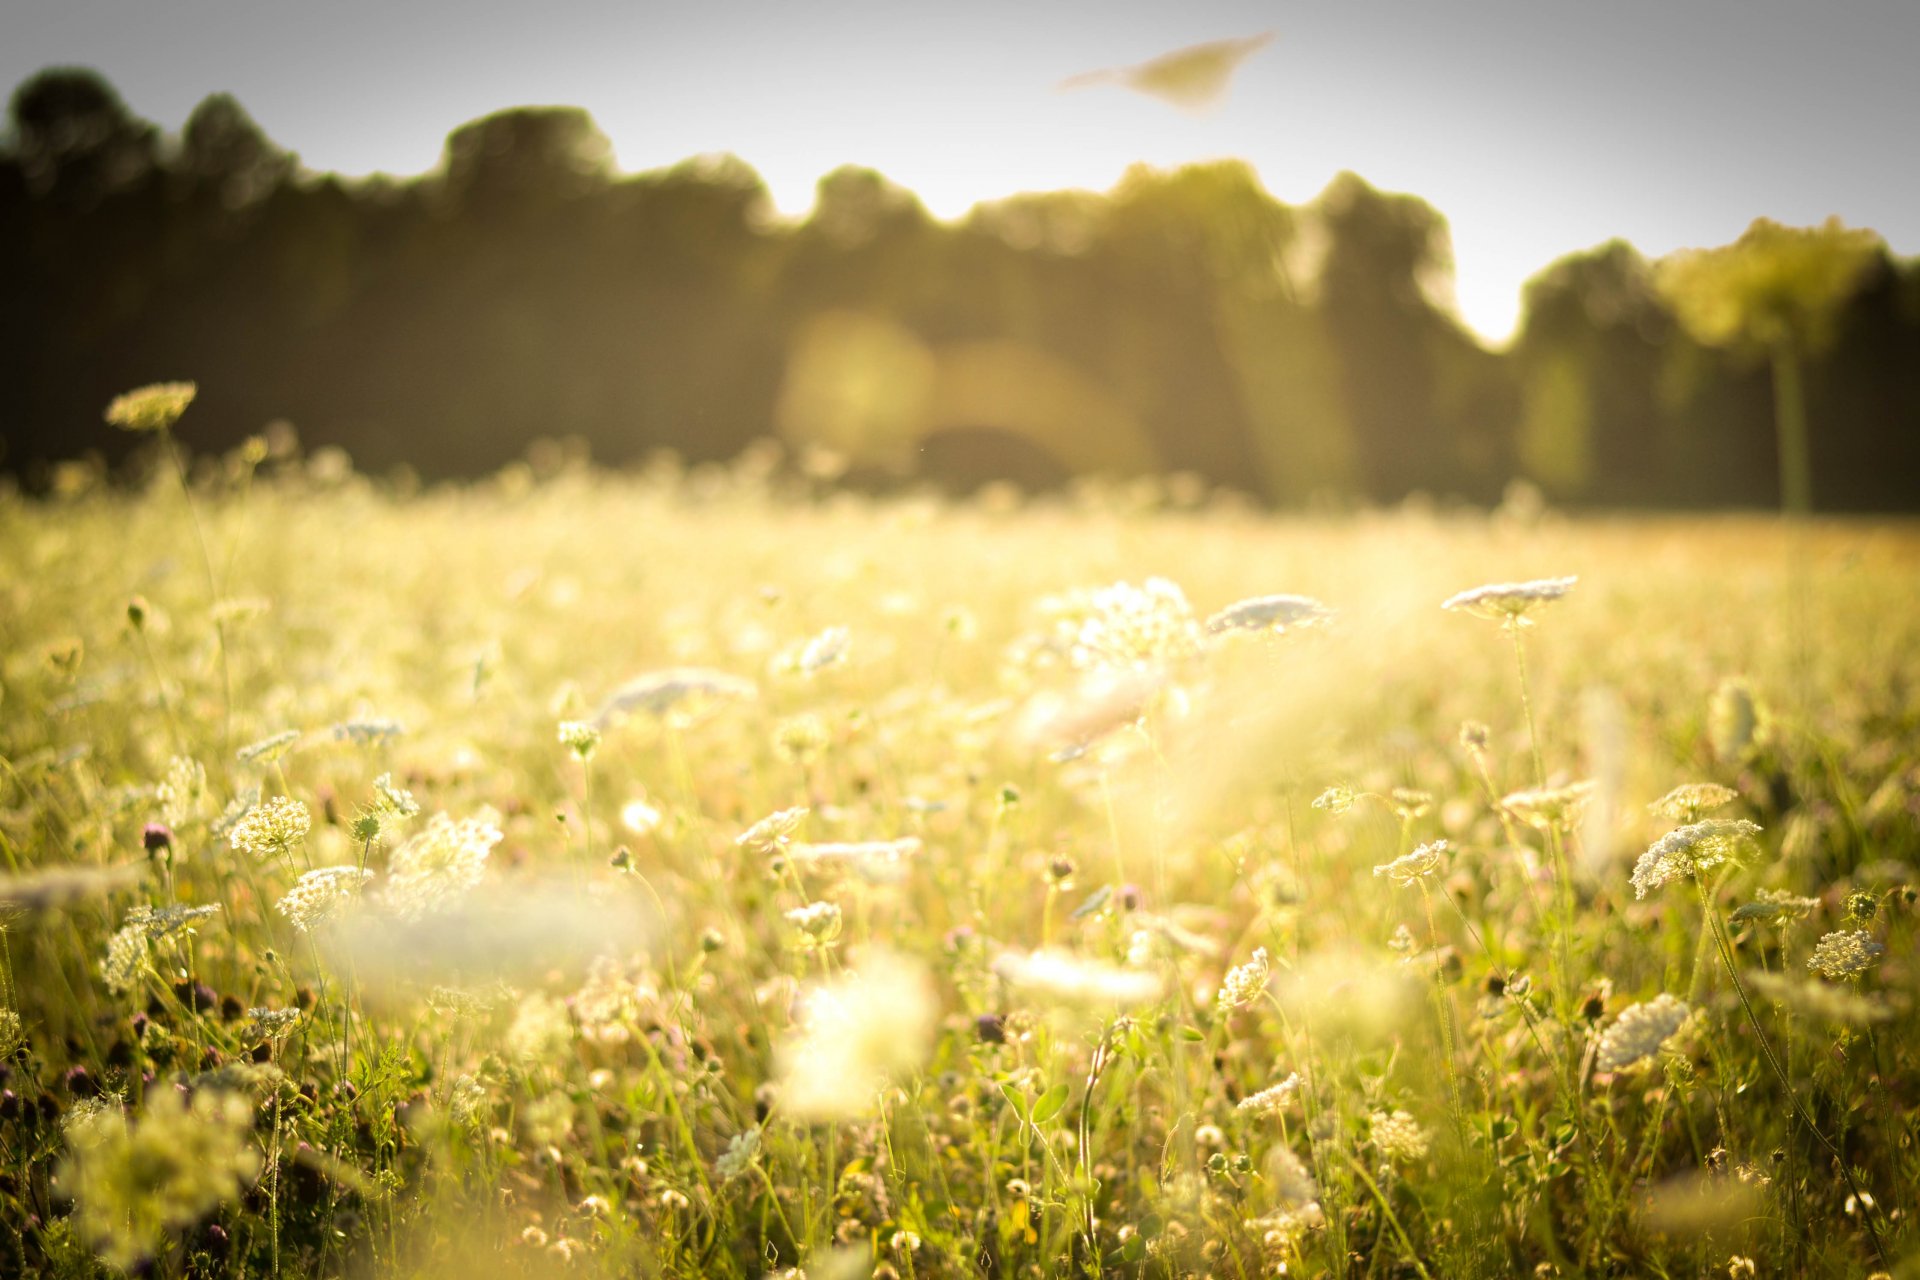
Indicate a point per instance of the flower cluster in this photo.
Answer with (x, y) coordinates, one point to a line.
(1683, 851)
(320, 893)
(1124, 626)
(1550, 808)
(1640, 1031)
(440, 863)
(1686, 802)
(272, 829)
(1244, 983)
(1397, 1136)
(1847, 953)
(1068, 979)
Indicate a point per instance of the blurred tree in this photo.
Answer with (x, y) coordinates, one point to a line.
(1423, 400)
(75, 140)
(223, 152)
(1776, 292)
(1589, 361)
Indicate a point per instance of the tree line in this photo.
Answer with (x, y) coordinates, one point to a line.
(1184, 321)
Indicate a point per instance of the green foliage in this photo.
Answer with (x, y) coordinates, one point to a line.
(1775, 286)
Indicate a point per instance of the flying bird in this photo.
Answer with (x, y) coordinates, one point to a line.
(1193, 78)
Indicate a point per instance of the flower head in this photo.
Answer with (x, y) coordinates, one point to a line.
(1509, 603)
(1272, 1099)
(1421, 863)
(773, 832)
(1124, 626)
(580, 738)
(272, 829)
(1695, 847)
(440, 863)
(1686, 802)
(854, 1034)
(1269, 615)
(321, 893)
(151, 408)
(1847, 953)
(1640, 1031)
(1244, 983)
(1550, 808)
(1397, 1136)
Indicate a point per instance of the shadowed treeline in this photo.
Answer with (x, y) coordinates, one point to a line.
(1184, 321)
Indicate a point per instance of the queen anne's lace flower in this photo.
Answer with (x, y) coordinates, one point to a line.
(1686, 802)
(1695, 847)
(1410, 867)
(1273, 614)
(773, 832)
(1639, 1032)
(1550, 808)
(1847, 953)
(272, 829)
(320, 893)
(1244, 983)
(439, 864)
(1509, 603)
(1124, 626)
(1397, 1136)
(1069, 979)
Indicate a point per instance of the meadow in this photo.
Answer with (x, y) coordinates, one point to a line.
(707, 873)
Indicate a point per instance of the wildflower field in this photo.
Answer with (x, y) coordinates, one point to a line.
(708, 874)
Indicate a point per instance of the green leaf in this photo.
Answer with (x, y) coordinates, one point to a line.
(1049, 1104)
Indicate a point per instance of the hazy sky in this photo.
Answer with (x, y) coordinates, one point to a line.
(1537, 127)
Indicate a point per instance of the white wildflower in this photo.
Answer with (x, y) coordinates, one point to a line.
(1269, 614)
(272, 829)
(1245, 983)
(1640, 1031)
(440, 864)
(1065, 978)
(1685, 850)
(1509, 603)
(854, 1035)
(1847, 953)
(320, 893)
(1410, 868)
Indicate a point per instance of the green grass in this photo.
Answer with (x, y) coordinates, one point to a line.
(587, 1060)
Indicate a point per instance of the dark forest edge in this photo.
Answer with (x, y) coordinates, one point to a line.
(1184, 321)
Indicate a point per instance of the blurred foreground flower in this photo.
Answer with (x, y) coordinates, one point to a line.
(856, 1034)
(151, 408)
(1064, 978)
(132, 1182)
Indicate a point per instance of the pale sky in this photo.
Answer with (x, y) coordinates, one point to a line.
(1538, 127)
